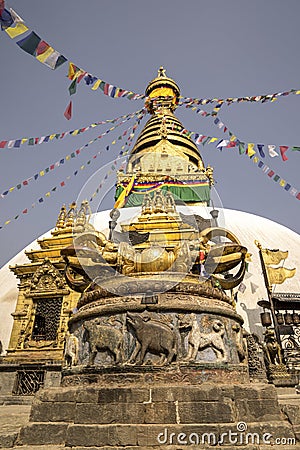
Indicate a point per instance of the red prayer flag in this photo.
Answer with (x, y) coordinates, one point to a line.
(231, 144)
(52, 166)
(41, 48)
(2, 144)
(283, 149)
(298, 196)
(271, 173)
(25, 211)
(25, 183)
(68, 111)
(62, 184)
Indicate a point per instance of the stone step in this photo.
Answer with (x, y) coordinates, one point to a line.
(119, 435)
(169, 447)
(16, 399)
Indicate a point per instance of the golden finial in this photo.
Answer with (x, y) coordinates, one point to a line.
(61, 218)
(162, 72)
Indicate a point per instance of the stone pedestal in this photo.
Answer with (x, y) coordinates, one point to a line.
(201, 416)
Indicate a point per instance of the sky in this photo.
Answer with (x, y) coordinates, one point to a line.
(221, 49)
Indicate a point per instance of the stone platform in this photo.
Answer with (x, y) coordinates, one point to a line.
(200, 416)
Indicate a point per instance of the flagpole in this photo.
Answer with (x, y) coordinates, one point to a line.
(269, 291)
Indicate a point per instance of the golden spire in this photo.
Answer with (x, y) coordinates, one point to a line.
(163, 129)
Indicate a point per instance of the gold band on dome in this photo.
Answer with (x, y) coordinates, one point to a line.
(162, 92)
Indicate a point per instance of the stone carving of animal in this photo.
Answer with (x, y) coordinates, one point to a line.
(104, 338)
(200, 341)
(71, 350)
(152, 336)
(272, 349)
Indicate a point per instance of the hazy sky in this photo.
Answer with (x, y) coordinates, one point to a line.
(229, 48)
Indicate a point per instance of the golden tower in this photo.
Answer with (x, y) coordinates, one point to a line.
(164, 156)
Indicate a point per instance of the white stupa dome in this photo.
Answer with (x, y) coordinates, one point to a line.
(247, 227)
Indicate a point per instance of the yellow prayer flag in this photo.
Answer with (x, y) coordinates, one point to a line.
(82, 167)
(194, 108)
(250, 150)
(52, 136)
(43, 56)
(297, 92)
(126, 191)
(273, 256)
(17, 29)
(12, 189)
(42, 173)
(279, 275)
(24, 140)
(7, 222)
(75, 132)
(233, 138)
(47, 194)
(255, 159)
(282, 182)
(68, 157)
(96, 85)
(213, 139)
(71, 71)
(113, 142)
(274, 99)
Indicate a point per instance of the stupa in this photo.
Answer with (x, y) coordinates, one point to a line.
(156, 352)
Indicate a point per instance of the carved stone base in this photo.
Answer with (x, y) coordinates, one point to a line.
(279, 376)
(179, 375)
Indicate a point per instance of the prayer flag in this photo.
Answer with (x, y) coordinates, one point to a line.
(295, 149)
(6, 19)
(260, 149)
(223, 143)
(96, 85)
(72, 87)
(254, 287)
(250, 150)
(279, 275)
(16, 29)
(30, 43)
(283, 149)
(272, 152)
(72, 70)
(68, 111)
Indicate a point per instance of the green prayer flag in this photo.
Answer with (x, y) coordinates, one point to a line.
(101, 85)
(31, 141)
(296, 149)
(241, 148)
(29, 43)
(72, 87)
(276, 178)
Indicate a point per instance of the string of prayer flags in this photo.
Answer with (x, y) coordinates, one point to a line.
(74, 154)
(17, 143)
(82, 167)
(230, 100)
(34, 45)
(250, 147)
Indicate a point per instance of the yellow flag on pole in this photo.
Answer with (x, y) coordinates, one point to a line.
(279, 275)
(273, 256)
